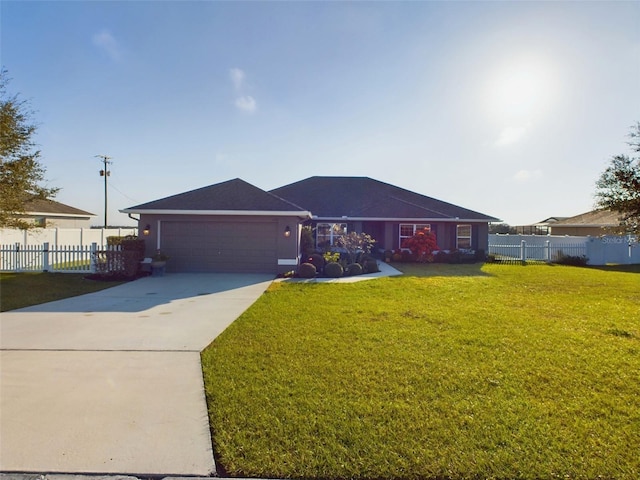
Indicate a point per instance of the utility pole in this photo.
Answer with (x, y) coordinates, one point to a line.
(105, 173)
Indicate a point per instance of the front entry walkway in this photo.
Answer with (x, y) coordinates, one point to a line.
(111, 382)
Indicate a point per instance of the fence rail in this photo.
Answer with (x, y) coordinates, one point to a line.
(608, 249)
(47, 258)
(547, 252)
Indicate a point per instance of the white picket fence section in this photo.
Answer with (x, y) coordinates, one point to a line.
(608, 249)
(549, 252)
(48, 258)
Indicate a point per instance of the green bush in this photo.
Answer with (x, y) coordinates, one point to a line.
(370, 266)
(306, 240)
(331, 256)
(317, 261)
(575, 261)
(333, 270)
(353, 269)
(307, 270)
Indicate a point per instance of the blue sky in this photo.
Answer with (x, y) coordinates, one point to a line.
(508, 108)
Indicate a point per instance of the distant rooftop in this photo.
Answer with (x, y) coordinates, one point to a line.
(50, 207)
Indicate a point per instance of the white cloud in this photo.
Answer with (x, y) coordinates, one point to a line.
(246, 103)
(107, 42)
(237, 77)
(510, 135)
(527, 175)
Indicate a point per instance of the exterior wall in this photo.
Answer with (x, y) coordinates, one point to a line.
(481, 237)
(387, 233)
(52, 221)
(594, 231)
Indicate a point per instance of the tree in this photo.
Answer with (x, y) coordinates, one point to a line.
(21, 173)
(618, 188)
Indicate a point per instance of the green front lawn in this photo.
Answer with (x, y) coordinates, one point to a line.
(18, 290)
(471, 371)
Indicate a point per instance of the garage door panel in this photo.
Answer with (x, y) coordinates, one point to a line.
(220, 246)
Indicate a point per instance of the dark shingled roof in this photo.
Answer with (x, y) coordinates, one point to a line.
(39, 205)
(605, 218)
(364, 197)
(231, 195)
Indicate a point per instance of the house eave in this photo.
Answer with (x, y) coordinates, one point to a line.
(244, 213)
(59, 215)
(583, 225)
(400, 219)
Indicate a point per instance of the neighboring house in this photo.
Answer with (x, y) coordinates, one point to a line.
(594, 223)
(232, 226)
(541, 228)
(49, 214)
(236, 227)
(388, 213)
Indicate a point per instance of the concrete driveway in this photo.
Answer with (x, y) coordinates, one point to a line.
(111, 382)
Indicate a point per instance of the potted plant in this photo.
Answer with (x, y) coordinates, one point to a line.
(158, 263)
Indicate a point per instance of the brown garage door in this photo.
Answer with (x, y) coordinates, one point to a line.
(219, 246)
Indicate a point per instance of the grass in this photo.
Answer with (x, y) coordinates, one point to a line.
(18, 290)
(457, 372)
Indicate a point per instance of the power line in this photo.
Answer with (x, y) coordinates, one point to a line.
(111, 185)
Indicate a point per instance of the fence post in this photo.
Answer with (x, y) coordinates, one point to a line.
(94, 250)
(547, 245)
(45, 257)
(16, 258)
(523, 251)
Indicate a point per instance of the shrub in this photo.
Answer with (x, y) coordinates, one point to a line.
(575, 261)
(441, 257)
(115, 240)
(307, 270)
(306, 240)
(422, 245)
(408, 256)
(333, 270)
(354, 269)
(355, 242)
(331, 256)
(370, 266)
(317, 261)
(397, 257)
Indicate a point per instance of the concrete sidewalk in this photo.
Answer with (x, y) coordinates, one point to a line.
(111, 382)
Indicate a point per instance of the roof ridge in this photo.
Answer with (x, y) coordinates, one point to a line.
(418, 206)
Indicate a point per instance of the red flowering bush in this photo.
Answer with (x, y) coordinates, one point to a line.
(422, 245)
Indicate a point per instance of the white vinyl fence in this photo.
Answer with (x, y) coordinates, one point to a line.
(57, 258)
(63, 236)
(609, 249)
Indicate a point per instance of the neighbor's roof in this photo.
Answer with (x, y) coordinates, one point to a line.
(551, 220)
(595, 218)
(227, 198)
(46, 207)
(367, 199)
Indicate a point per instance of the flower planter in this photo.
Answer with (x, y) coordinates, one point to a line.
(157, 268)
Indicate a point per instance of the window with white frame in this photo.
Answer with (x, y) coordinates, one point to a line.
(328, 233)
(408, 230)
(463, 236)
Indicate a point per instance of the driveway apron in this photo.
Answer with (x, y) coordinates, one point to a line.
(111, 382)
